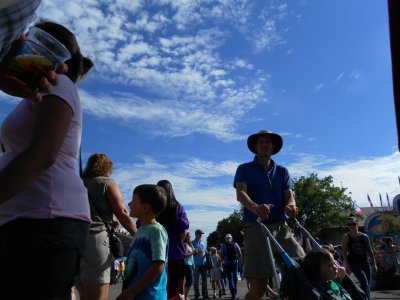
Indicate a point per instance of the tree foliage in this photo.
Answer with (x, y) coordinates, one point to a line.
(232, 224)
(320, 203)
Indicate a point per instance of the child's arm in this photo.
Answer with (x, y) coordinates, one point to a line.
(341, 273)
(155, 269)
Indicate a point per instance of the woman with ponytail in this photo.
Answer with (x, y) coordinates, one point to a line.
(44, 209)
(176, 223)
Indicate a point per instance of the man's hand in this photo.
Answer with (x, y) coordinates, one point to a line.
(263, 210)
(19, 89)
(291, 210)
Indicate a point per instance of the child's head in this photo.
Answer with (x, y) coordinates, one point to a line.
(319, 265)
(213, 251)
(147, 198)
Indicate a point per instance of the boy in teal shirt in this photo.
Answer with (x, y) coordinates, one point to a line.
(145, 271)
(320, 267)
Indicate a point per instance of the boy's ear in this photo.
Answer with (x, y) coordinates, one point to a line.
(146, 207)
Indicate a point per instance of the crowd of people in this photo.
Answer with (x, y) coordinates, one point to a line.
(66, 218)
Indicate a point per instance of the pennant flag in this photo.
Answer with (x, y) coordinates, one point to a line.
(387, 198)
(380, 199)
(357, 208)
(370, 202)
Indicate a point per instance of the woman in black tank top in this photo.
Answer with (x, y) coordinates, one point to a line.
(358, 255)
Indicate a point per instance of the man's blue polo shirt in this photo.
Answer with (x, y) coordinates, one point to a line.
(259, 190)
(199, 259)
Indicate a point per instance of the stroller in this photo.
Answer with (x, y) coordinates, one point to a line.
(294, 285)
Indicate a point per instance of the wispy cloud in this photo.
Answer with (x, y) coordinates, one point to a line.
(169, 53)
(209, 201)
(361, 176)
(339, 77)
(319, 87)
(355, 74)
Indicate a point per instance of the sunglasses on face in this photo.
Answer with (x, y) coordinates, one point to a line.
(351, 224)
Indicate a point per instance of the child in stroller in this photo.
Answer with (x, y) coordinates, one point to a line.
(320, 268)
(318, 277)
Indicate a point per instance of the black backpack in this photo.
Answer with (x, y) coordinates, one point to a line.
(231, 251)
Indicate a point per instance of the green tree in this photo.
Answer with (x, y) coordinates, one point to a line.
(232, 224)
(320, 203)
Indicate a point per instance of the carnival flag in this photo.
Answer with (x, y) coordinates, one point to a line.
(357, 208)
(370, 202)
(380, 199)
(387, 198)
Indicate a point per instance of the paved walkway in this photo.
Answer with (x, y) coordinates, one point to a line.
(242, 289)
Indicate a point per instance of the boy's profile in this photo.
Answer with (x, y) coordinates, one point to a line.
(319, 266)
(145, 270)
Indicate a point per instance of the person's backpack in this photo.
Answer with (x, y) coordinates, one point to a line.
(231, 251)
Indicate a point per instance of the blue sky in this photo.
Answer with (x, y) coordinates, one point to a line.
(179, 85)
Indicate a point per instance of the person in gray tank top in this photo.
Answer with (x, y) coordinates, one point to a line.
(106, 202)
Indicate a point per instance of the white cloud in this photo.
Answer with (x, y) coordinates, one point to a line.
(191, 180)
(176, 119)
(319, 87)
(355, 74)
(205, 220)
(361, 176)
(340, 76)
(205, 187)
(171, 50)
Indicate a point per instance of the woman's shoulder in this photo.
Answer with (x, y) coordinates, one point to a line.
(66, 89)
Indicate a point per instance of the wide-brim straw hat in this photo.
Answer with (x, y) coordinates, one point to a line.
(276, 140)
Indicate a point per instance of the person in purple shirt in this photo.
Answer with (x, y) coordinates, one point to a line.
(175, 221)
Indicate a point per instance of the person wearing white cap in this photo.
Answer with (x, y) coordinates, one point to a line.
(265, 189)
(230, 253)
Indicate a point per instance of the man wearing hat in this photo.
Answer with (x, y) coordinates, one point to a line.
(199, 257)
(265, 189)
(230, 252)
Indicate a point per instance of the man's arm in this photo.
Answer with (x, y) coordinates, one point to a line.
(290, 204)
(260, 210)
(239, 251)
(370, 253)
(148, 277)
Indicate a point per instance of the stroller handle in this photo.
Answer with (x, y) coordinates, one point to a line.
(302, 228)
(289, 262)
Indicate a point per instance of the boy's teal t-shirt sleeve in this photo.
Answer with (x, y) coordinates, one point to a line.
(159, 241)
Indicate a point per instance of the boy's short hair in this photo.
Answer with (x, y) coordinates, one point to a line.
(152, 194)
(312, 263)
